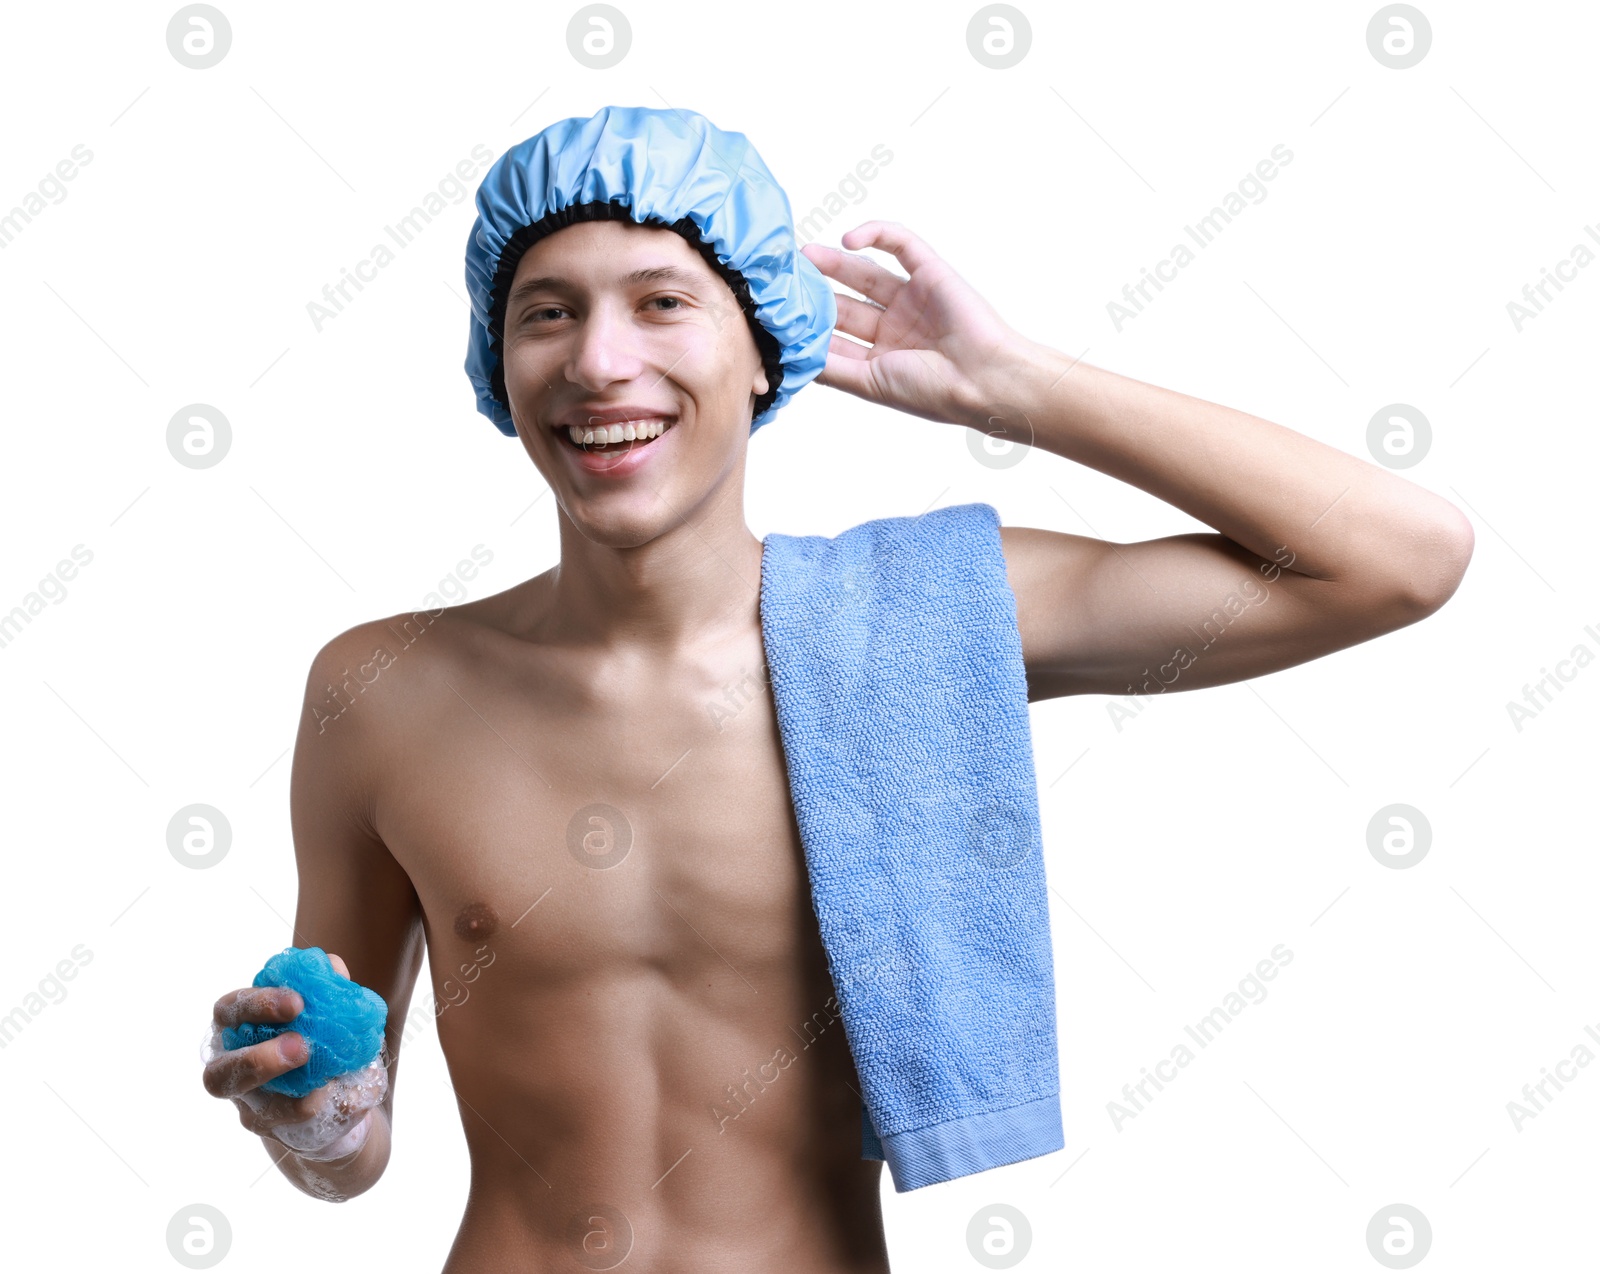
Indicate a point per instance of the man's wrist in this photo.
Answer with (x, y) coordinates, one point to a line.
(351, 1173)
(1020, 388)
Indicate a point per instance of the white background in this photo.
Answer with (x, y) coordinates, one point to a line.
(1180, 849)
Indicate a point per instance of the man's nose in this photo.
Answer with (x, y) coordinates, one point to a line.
(605, 349)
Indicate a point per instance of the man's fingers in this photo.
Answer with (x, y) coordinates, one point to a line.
(261, 1111)
(261, 1126)
(910, 250)
(851, 373)
(837, 345)
(865, 276)
(257, 1004)
(241, 1069)
(858, 318)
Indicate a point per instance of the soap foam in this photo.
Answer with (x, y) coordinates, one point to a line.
(343, 1120)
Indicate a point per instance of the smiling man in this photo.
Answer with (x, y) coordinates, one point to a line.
(662, 374)
(540, 794)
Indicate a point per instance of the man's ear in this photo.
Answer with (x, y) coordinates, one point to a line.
(761, 384)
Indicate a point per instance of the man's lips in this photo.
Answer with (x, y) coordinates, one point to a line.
(615, 459)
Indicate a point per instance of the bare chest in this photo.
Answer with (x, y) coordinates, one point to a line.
(606, 827)
(630, 987)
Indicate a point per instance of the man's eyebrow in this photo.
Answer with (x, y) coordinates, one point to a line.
(648, 274)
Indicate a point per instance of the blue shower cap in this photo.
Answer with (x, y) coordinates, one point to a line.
(669, 168)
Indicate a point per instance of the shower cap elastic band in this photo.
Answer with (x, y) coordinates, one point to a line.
(668, 168)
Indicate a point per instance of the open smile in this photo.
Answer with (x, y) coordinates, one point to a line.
(617, 443)
(628, 436)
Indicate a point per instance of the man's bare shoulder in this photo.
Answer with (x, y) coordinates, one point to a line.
(391, 666)
(398, 669)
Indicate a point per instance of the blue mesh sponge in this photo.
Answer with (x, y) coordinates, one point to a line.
(341, 1021)
(662, 166)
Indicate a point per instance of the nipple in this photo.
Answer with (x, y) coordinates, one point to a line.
(476, 922)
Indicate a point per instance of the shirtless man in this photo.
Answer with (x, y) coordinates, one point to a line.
(545, 786)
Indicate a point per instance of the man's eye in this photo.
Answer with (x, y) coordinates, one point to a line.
(542, 311)
(677, 303)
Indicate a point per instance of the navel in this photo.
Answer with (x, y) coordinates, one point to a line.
(476, 922)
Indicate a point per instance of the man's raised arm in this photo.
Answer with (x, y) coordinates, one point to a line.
(1344, 550)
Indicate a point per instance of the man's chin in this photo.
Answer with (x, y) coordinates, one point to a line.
(622, 514)
(622, 532)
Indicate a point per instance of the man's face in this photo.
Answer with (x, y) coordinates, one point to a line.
(608, 320)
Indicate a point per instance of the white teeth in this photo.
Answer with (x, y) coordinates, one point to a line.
(630, 432)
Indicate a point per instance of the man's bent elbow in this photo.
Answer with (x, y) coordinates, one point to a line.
(1434, 564)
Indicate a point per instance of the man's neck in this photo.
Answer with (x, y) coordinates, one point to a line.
(671, 594)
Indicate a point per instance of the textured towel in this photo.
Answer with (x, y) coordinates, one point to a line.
(902, 706)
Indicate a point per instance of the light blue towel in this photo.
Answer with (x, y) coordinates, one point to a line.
(902, 705)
